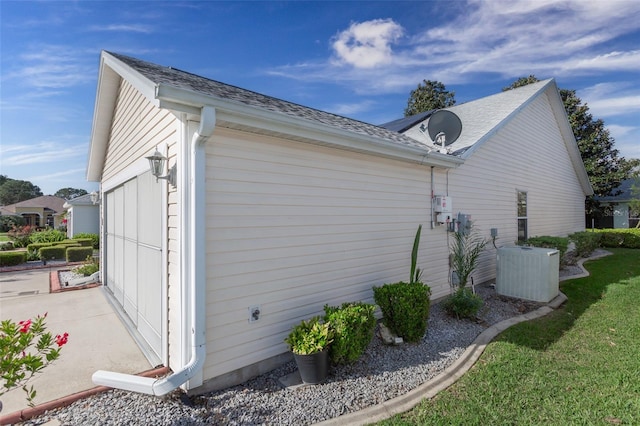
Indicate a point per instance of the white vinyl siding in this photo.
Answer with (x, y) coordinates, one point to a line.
(292, 227)
(526, 154)
(137, 128)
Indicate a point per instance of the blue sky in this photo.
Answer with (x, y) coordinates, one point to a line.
(357, 59)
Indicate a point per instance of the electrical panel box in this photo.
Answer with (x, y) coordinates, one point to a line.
(443, 217)
(464, 223)
(442, 204)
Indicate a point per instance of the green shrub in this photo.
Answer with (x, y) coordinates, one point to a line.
(310, 337)
(57, 252)
(95, 238)
(628, 238)
(405, 308)
(559, 243)
(353, 325)
(33, 250)
(20, 235)
(85, 242)
(91, 266)
(463, 303)
(12, 258)
(48, 236)
(585, 242)
(78, 254)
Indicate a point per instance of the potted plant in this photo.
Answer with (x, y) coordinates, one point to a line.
(309, 341)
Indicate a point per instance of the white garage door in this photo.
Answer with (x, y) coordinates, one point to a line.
(133, 224)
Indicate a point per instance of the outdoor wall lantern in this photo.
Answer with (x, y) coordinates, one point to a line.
(95, 197)
(156, 164)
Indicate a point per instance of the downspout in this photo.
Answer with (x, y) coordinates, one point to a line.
(195, 245)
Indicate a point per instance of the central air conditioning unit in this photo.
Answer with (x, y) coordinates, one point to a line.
(530, 273)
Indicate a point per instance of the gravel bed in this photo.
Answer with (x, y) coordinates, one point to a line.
(384, 372)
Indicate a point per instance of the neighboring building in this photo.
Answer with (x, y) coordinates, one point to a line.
(620, 214)
(83, 216)
(282, 209)
(40, 212)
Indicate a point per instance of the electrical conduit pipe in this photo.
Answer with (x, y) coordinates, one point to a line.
(197, 283)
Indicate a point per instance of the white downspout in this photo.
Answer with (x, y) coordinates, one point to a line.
(195, 245)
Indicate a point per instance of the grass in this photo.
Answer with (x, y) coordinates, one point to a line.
(578, 365)
(3, 236)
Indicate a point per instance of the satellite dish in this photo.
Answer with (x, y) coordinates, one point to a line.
(444, 127)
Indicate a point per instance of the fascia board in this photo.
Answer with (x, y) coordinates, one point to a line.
(110, 73)
(260, 119)
(137, 80)
(106, 94)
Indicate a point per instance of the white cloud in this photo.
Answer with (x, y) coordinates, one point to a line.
(508, 39)
(52, 67)
(367, 44)
(44, 152)
(612, 99)
(134, 28)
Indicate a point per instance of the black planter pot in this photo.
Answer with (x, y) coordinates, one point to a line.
(313, 368)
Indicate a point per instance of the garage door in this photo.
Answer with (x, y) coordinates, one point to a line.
(133, 270)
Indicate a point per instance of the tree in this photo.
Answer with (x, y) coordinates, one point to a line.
(432, 95)
(70, 193)
(13, 191)
(606, 169)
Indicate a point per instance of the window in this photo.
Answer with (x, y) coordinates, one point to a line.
(522, 217)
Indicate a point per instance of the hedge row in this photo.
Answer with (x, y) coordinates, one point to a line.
(12, 258)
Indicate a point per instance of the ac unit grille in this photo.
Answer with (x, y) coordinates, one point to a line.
(530, 273)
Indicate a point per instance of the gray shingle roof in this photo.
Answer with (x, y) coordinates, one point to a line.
(183, 80)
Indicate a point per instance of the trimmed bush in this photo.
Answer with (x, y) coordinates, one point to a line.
(57, 252)
(353, 325)
(405, 308)
(95, 238)
(78, 254)
(84, 242)
(12, 258)
(585, 242)
(559, 243)
(628, 238)
(33, 250)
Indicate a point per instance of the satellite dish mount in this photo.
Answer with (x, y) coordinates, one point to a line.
(444, 128)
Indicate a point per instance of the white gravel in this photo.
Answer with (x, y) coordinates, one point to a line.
(384, 372)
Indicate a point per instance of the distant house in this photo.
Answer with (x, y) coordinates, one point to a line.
(83, 216)
(281, 209)
(620, 214)
(39, 212)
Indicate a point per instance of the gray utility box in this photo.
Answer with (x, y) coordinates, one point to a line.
(530, 273)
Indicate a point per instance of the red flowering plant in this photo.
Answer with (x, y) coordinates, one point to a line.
(26, 348)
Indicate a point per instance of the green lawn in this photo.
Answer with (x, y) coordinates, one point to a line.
(580, 365)
(3, 236)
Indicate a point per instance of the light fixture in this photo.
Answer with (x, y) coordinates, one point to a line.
(95, 197)
(156, 164)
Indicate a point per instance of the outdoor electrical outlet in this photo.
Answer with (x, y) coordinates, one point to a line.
(254, 313)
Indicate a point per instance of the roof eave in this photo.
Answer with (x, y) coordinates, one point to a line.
(235, 114)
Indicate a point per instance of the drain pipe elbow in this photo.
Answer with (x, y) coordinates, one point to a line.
(197, 281)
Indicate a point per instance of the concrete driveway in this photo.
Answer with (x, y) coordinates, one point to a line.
(97, 338)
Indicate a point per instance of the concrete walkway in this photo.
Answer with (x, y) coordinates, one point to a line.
(97, 338)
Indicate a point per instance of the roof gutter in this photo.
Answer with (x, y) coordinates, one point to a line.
(195, 273)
